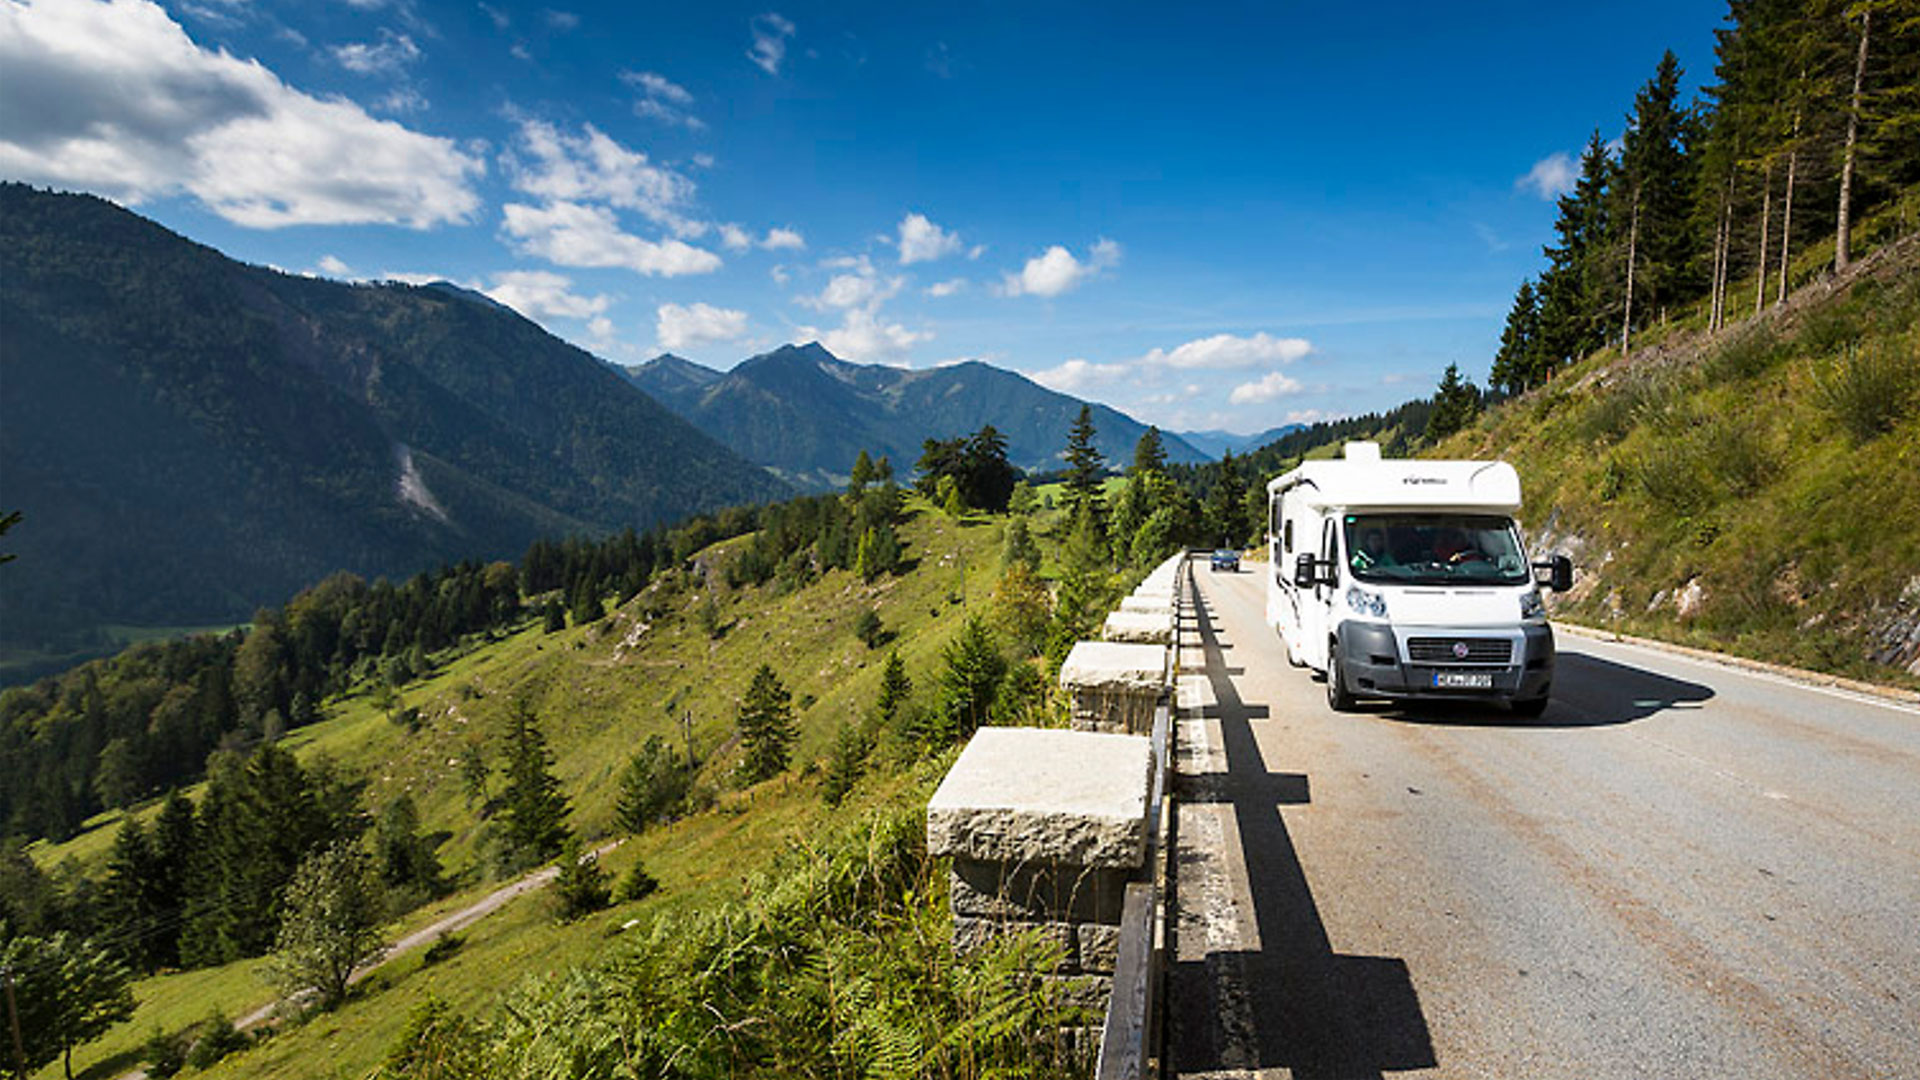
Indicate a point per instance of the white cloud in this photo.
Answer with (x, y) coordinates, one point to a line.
(865, 338)
(542, 293)
(923, 241)
(114, 97)
(563, 21)
(860, 287)
(1057, 271)
(1275, 384)
(663, 99)
(770, 34)
(1076, 375)
(571, 234)
(1312, 416)
(333, 267)
(735, 238)
(690, 326)
(784, 240)
(1551, 177)
(390, 57)
(590, 167)
(946, 288)
(1228, 351)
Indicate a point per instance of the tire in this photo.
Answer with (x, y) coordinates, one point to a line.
(1530, 708)
(1338, 699)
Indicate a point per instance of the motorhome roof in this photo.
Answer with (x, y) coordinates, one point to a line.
(1362, 479)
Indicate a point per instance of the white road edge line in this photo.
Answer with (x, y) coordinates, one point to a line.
(1741, 667)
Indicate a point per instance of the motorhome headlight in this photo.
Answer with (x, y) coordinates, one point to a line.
(1367, 603)
(1531, 606)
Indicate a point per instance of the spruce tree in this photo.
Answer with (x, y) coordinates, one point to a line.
(862, 475)
(128, 900)
(1518, 366)
(1149, 454)
(1084, 468)
(766, 726)
(1454, 406)
(532, 803)
(895, 688)
(970, 680)
(653, 787)
(1654, 197)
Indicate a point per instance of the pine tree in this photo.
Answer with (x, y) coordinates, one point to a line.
(1084, 468)
(128, 899)
(895, 688)
(581, 888)
(1518, 366)
(1654, 195)
(766, 726)
(1454, 406)
(1570, 293)
(1224, 519)
(173, 841)
(653, 787)
(862, 475)
(532, 803)
(972, 676)
(846, 762)
(1149, 454)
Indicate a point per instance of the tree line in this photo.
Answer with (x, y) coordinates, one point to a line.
(1813, 122)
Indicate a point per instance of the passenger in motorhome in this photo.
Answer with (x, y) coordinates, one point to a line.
(1374, 551)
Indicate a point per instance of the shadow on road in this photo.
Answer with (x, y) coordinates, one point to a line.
(1311, 1010)
(1587, 692)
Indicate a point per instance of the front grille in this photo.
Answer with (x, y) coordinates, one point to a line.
(1434, 650)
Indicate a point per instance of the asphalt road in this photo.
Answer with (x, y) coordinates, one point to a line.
(1681, 870)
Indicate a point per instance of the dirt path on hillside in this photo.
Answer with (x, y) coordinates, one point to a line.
(450, 923)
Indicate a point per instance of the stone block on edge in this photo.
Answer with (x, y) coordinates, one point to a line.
(1030, 796)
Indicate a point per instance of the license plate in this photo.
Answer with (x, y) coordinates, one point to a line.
(1463, 680)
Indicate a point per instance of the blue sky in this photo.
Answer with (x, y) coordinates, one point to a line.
(1209, 216)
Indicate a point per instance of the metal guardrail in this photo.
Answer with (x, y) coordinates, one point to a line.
(1130, 1038)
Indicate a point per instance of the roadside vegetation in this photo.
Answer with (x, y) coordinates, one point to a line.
(727, 753)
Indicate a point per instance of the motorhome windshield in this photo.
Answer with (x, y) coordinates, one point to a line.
(1434, 549)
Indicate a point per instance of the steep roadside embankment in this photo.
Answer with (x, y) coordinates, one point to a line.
(1755, 490)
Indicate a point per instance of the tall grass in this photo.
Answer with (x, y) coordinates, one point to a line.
(1868, 389)
(835, 963)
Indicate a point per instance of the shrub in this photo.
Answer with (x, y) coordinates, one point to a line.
(1867, 391)
(636, 884)
(1748, 352)
(868, 629)
(581, 888)
(218, 1038)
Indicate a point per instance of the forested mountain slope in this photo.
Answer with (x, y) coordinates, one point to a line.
(188, 437)
(806, 414)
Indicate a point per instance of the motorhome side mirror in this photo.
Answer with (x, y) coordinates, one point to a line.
(1556, 573)
(1303, 571)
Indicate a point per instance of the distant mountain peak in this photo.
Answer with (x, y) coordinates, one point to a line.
(806, 414)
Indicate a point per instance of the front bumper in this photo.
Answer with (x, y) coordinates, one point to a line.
(1513, 663)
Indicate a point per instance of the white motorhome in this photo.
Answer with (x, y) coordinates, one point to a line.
(1408, 579)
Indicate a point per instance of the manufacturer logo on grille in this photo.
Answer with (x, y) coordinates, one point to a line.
(1460, 650)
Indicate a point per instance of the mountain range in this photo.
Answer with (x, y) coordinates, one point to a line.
(805, 414)
(189, 437)
(1217, 443)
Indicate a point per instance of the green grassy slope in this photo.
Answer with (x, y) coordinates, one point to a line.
(599, 691)
(1756, 490)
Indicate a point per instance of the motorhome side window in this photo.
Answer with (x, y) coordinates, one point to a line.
(1434, 549)
(1286, 539)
